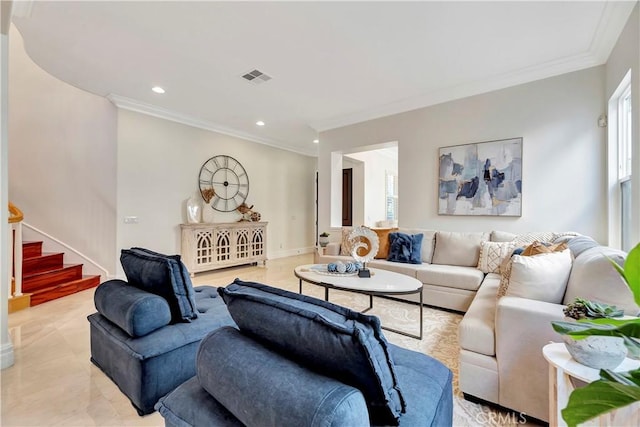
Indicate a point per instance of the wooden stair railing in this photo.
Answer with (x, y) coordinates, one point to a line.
(15, 214)
(17, 300)
(42, 276)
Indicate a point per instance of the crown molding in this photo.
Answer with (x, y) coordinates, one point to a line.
(502, 81)
(612, 22)
(614, 16)
(166, 114)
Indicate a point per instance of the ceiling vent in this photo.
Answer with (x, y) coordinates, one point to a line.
(256, 77)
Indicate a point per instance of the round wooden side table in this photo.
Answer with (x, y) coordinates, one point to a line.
(565, 375)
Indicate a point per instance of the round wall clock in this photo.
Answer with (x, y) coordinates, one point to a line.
(223, 183)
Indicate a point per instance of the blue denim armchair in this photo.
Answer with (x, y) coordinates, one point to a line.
(299, 361)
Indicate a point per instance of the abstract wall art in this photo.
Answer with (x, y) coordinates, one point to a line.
(484, 178)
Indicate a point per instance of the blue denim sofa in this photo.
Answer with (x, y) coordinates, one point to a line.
(146, 331)
(294, 360)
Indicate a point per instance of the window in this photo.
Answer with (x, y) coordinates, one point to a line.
(391, 196)
(624, 165)
(620, 166)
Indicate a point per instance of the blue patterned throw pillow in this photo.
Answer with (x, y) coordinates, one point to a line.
(405, 248)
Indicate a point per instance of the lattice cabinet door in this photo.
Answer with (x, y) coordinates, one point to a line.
(258, 244)
(243, 243)
(218, 245)
(204, 247)
(223, 245)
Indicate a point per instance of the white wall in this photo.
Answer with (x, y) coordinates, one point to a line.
(564, 154)
(78, 165)
(376, 165)
(158, 166)
(62, 158)
(624, 56)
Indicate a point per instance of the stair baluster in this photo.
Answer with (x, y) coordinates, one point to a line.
(15, 254)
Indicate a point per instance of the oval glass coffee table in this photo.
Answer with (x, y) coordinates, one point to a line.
(381, 283)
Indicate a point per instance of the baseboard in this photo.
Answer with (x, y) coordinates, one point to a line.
(19, 303)
(291, 252)
(6, 356)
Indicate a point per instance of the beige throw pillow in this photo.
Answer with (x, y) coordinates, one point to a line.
(505, 273)
(345, 245)
(492, 254)
(540, 277)
(458, 248)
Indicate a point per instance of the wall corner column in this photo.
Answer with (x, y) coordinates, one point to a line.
(6, 347)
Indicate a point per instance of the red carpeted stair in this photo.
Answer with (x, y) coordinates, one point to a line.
(46, 277)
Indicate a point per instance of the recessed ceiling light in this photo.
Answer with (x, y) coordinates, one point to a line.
(260, 123)
(157, 89)
(316, 141)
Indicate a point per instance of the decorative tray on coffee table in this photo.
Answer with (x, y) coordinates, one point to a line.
(322, 269)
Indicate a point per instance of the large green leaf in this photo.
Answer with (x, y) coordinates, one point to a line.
(631, 271)
(615, 389)
(633, 345)
(607, 327)
(602, 396)
(627, 329)
(628, 377)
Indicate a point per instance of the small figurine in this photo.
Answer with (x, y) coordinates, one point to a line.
(247, 213)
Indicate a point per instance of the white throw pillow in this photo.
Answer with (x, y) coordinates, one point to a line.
(594, 278)
(541, 277)
(492, 254)
(537, 236)
(458, 248)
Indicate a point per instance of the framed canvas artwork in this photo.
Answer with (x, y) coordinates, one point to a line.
(483, 178)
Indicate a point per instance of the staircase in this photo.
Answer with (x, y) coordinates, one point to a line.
(46, 277)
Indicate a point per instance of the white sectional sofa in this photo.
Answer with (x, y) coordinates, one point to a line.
(501, 338)
(449, 265)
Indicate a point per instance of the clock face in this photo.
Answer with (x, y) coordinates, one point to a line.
(223, 183)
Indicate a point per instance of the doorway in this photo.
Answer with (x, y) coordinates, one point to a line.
(347, 197)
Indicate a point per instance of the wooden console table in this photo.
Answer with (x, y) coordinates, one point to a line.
(209, 246)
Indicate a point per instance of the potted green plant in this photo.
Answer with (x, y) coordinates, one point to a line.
(614, 389)
(324, 239)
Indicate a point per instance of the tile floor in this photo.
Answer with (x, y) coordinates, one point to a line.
(53, 383)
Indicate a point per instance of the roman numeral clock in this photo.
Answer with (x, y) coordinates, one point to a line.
(223, 183)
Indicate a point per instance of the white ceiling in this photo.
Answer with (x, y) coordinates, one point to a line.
(332, 63)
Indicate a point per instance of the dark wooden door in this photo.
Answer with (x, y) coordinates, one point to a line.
(347, 197)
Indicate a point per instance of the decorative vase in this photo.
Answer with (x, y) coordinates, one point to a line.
(597, 352)
(208, 214)
(194, 210)
(324, 241)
